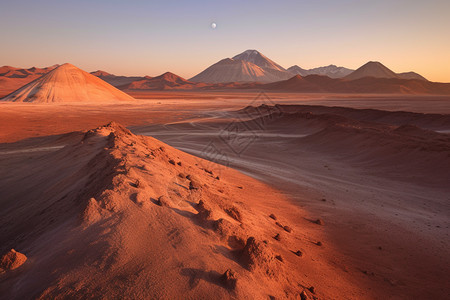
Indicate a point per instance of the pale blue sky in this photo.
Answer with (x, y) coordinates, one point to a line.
(151, 37)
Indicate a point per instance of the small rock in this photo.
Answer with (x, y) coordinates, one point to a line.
(179, 163)
(234, 212)
(312, 289)
(229, 279)
(217, 178)
(279, 257)
(273, 216)
(298, 253)
(172, 162)
(304, 296)
(194, 184)
(163, 201)
(137, 184)
(279, 224)
(319, 222)
(12, 260)
(287, 228)
(277, 237)
(319, 243)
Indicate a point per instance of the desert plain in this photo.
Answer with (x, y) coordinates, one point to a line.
(228, 194)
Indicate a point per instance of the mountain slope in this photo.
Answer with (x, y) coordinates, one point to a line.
(411, 75)
(255, 57)
(230, 70)
(67, 83)
(249, 66)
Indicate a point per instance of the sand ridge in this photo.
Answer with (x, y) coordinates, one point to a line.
(158, 223)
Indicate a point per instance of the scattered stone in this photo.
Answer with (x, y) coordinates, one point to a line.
(277, 237)
(12, 260)
(208, 171)
(319, 222)
(137, 184)
(279, 224)
(179, 163)
(229, 279)
(240, 187)
(171, 161)
(181, 175)
(324, 200)
(312, 289)
(273, 216)
(298, 253)
(304, 296)
(287, 228)
(234, 212)
(217, 178)
(279, 257)
(319, 243)
(163, 201)
(194, 184)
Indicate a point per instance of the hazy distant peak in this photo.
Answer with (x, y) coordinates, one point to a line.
(257, 58)
(372, 69)
(100, 73)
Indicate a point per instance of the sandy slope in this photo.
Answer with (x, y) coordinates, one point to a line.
(117, 215)
(67, 83)
(385, 187)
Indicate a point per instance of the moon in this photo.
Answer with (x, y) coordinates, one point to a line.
(213, 25)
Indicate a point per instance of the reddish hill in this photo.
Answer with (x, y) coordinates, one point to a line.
(316, 83)
(296, 83)
(166, 81)
(12, 78)
(67, 83)
(371, 69)
(115, 80)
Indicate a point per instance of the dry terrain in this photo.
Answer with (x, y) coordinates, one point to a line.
(358, 185)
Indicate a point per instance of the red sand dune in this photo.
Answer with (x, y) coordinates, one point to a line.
(131, 216)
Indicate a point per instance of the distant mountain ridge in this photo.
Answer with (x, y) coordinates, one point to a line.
(331, 71)
(376, 69)
(166, 81)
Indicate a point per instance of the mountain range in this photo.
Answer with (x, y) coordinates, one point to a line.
(331, 71)
(247, 70)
